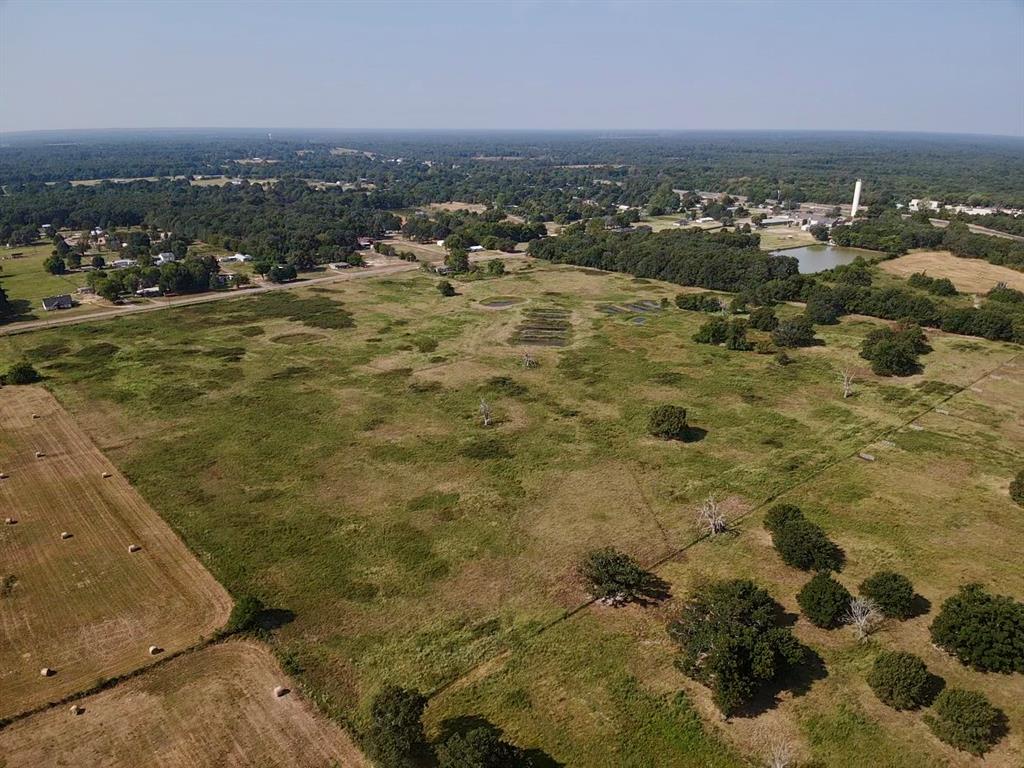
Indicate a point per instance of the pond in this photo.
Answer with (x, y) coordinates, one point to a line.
(817, 258)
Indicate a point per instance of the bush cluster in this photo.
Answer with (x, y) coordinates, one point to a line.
(1017, 488)
(900, 680)
(21, 373)
(611, 574)
(891, 592)
(823, 600)
(940, 286)
(984, 631)
(699, 302)
(718, 330)
(894, 351)
(965, 720)
(764, 319)
(800, 543)
(794, 332)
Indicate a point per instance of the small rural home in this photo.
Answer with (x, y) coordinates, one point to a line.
(365, 242)
(154, 291)
(122, 263)
(475, 248)
(164, 258)
(775, 221)
(339, 265)
(63, 301)
(443, 269)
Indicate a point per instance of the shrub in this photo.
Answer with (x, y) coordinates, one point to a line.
(985, 632)
(445, 288)
(900, 680)
(795, 332)
(965, 720)
(396, 738)
(21, 373)
(781, 514)
(823, 600)
(714, 331)
(480, 747)
(891, 592)
(1017, 488)
(736, 335)
(804, 545)
(282, 273)
(614, 575)
(668, 422)
(699, 302)
(245, 613)
(894, 351)
(764, 319)
(730, 641)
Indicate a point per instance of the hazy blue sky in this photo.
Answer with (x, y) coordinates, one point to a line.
(930, 66)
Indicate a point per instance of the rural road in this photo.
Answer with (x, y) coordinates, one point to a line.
(203, 298)
(978, 230)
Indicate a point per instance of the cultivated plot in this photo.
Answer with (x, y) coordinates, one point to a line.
(93, 577)
(215, 708)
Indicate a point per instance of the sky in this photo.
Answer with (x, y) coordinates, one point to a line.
(899, 65)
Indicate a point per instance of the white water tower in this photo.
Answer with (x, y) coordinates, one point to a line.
(856, 199)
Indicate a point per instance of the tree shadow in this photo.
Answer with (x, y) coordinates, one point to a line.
(693, 434)
(919, 606)
(463, 724)
(932, 688)
(17, 310)
(797, 681)
(274, 618)
(653, 590)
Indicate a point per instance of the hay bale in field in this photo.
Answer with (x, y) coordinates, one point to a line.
(66, 534)
(280, 691)
(35, 415)
(9, 521)
(155, 649)
(134, 547)
(106, 475)
(46, 672)
(39, 454)
(3, 475)
(76, 710)
(866, 456)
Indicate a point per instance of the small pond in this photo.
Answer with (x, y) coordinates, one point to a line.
(817, 258)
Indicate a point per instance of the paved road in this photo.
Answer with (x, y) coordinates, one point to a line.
(978, 230)
(183, 301)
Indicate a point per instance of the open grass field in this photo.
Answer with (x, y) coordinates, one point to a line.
(27, 283)
(84, 606)
(968, 275)
(322, 448)
(775, 238)
(211, 709)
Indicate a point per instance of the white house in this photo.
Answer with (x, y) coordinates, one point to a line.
(164, 258)
(340, 265)
(475, 248)
(154, 291)
(122, 263)
(924, 205)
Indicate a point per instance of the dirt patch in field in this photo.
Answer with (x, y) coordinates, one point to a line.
(215, 707)
(968, 275)
(297, 338)
(84, 605)
(456, 205)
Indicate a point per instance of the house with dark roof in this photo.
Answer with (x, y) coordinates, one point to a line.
(63, 301)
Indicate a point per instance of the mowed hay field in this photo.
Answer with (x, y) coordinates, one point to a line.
(322, 448)
(214, 708)
(85, 606)
(968, 275)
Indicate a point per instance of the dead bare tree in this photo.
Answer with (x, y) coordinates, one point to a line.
(780, 754)
(529, 361)
(485, 413)
(847, 383)
(863, 615)
(711, 518)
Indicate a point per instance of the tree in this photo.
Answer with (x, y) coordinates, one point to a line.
(794, 332)
(714, 331)
(21, 373)
(736, 335)
(668, 422)
(98, 262)
(262, 265)
(890, 355)
(730, 641)
(245, 613)
(892, 593)
(55, 265)
(804, 545)
(900, 679)
(764, 319)
(485, 413)
(965, 720)
(1017, 488)
(615, 576)
(780, 515)
(819, 231)
(396, 738)
(847, 377)
(823, 600)
(458, 260)
(445, 288)
(280, 273)
(863, 615)
(983, 631)
(710, 517)
(495, 268)
(480, 747)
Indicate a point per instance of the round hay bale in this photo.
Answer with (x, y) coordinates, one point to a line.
(9, 521)
(66, 534)
(155, 649)
(76, 710)
(46, 672)
(39, 454)
(106, 475)
(3, 475)
(134, 547)
(35, 415)
(280, 691)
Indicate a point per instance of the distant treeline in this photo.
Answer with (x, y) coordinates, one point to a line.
(732, 262)
(893, 234)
